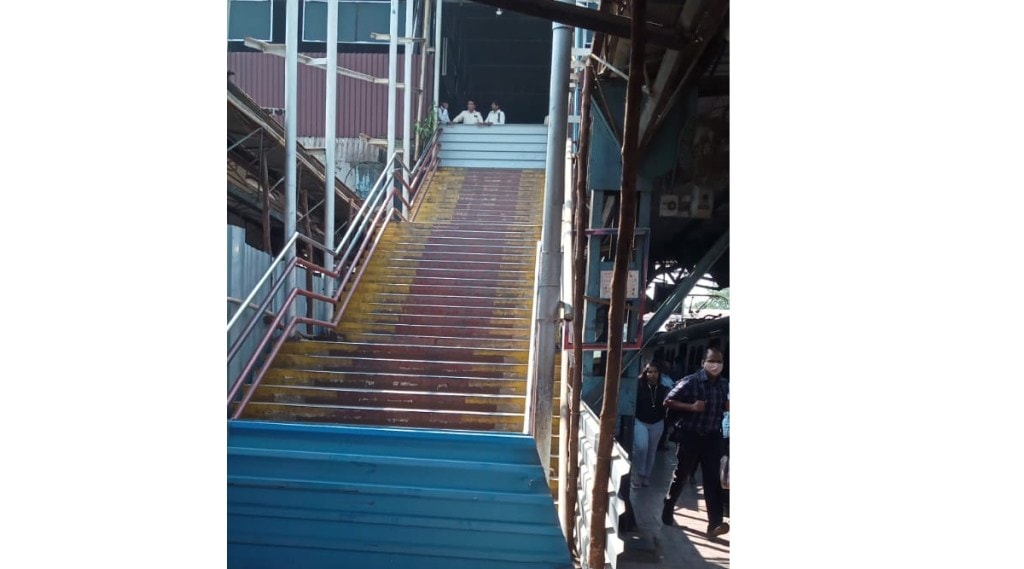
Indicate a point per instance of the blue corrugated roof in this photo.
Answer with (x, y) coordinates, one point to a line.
(315, 496)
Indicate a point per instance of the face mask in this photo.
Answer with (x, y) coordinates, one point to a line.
(713, 368)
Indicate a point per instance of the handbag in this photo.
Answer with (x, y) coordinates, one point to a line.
(723, 472)
(675, 435)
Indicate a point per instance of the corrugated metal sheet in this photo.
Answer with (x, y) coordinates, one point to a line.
(590, 426)
(358, 164)
(362, 106)
(319, 496)
(514, 146)
(246, 266)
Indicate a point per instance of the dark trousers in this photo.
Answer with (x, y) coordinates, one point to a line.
(707, 449)
(725, 492)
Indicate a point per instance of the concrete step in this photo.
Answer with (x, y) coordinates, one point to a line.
(442, 325)
(394, 365)
(405, 351)
(454, 289)
(438, 300)
(353, 415)
(440, 253)
(523, 265)
(424, 340)
(450, 231)
(391, 399)
(443, 309)
(397, 381)
(405, 274)
(494, 333)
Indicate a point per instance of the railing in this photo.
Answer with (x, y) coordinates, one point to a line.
(589, 433)
(350, 256)
(529, 428)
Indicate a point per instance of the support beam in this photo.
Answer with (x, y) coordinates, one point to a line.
(407, 107)
(683, 289)
(437, 53)
(392, 78)
(598, 21)
(424, 22)
(291, 116)
(330, 143)
(318, 62)
(387, 37)
(682, 69)
(549, 279)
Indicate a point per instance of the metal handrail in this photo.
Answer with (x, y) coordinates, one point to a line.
(531, 371)
(427, 164)
(339, 261)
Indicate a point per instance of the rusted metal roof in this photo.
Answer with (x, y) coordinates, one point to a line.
(362, 106)
(252, 133)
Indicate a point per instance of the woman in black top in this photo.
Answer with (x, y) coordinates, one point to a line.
(648, 424)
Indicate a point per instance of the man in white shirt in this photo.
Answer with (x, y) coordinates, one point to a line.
(470, 115)
(442, 113)
(496, 116)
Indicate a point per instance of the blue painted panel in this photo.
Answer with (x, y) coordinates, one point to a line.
(344, 496)
(363, 498)
(383, 470)
(481, 447)
(275, 557)
(605, 169)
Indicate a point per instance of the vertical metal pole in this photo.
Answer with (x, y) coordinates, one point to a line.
(437, 53)
(291, 90)
(551, 237)
(407, 102)
(392, 76)
(425, 34)
(330, 134)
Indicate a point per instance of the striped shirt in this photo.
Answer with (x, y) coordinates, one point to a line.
(696, 387)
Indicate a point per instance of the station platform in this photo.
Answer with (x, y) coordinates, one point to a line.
(683, 546)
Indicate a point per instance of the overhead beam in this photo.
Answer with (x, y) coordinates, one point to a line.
(590, 19)
(387, 37)
(682, 70)
(318, 62)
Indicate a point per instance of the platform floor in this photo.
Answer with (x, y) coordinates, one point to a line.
(683, 546)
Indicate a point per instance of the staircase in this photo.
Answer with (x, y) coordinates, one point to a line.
(436, 334)
(327, 496)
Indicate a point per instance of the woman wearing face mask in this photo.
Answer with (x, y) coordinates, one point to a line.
(702, 400)
(648, 423)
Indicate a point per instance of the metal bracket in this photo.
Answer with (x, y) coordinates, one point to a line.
(318, 62)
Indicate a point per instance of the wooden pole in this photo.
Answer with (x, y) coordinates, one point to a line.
(579, 283)
(617, 309)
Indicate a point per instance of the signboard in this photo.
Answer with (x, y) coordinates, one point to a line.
(632, 288)
(695, 203)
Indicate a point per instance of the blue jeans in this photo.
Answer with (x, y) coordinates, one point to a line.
(645, 446)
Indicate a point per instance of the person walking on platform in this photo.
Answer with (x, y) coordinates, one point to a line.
(648, 424)
(702, 398)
